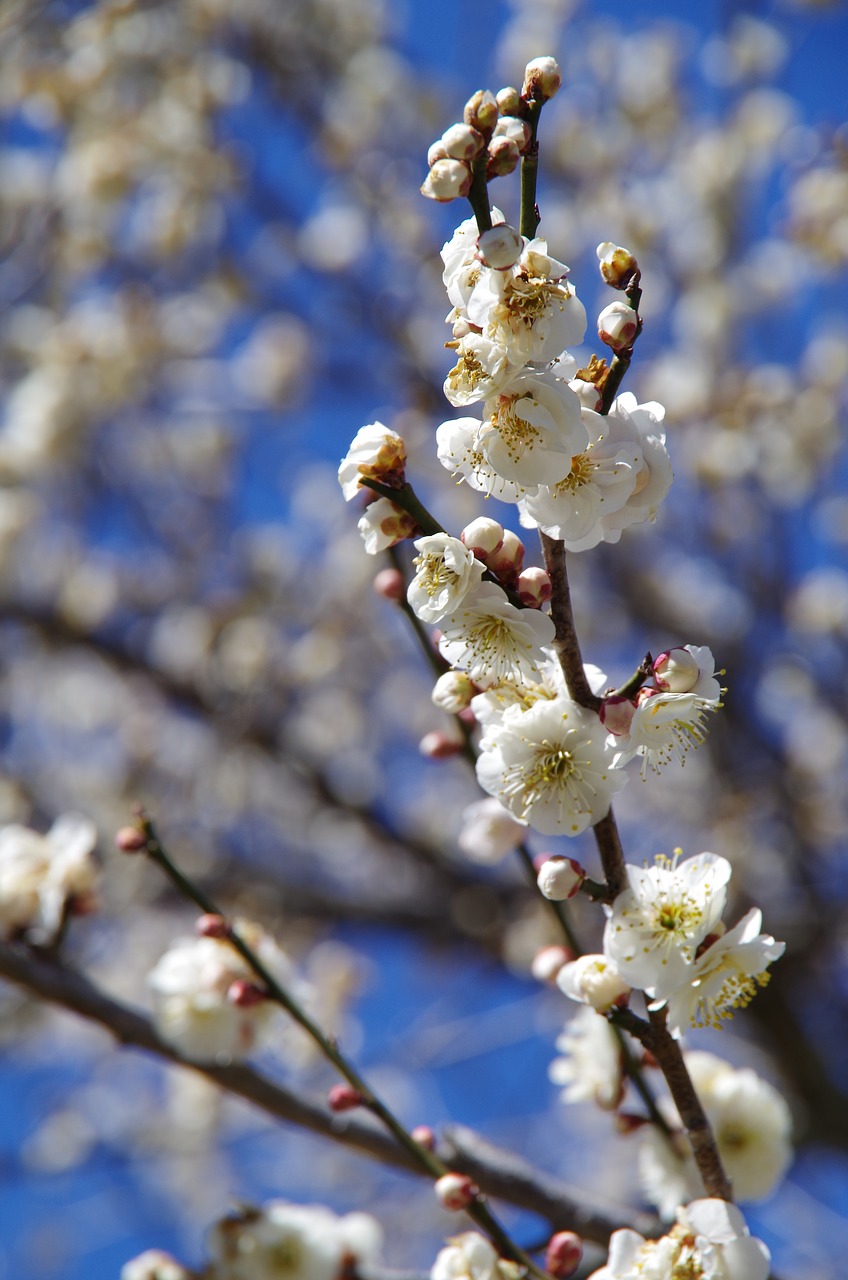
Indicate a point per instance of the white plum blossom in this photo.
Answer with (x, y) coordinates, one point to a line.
(462, 266)
(724, 977)
(491, 639)
(550, 766)
(752, 1126)
(641, 424)
(459, 451)
(153, 1264)
(657, 923)
(664, 725)
(375, 453)
(593, 980)
(284, 1241)
(709, 1241)
(531, 430)
(42, 874)
(482, 369)
(445, 573)
(470, 1256)
(383, 524)
(590, 1069)
(489, 832)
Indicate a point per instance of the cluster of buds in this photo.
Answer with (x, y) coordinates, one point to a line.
(619, 323)
(497, 127)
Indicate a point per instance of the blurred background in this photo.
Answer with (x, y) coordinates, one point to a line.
(215, 266)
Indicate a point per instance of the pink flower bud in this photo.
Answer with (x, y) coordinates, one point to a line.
(484, 537)
(461, 142)
(500, 247)
(563, 1254)
(508, 562)
(617, 326)
(548, 962)
(616, 715)
(343, 1097)
(455, 1191)
(560, 878)
(438, 746)
(244, 994)
(617, 265)
(130, 840)
(212, 926)
(534, 587)
(503, 157)
(389, 584)
(481, 111)
(509, 101)
(676, 671)
(514, 129)
(447, 180)
(542, 79)
(425, 1137)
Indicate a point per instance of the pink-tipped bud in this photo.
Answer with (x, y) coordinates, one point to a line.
(676, 671)
(425, 1137)
(130, 840)
(462, 142)
(509, 101)
(500, 247)
(244, 994)
(560, 878)
(343, 1097)
(534, 587)
(447, 180)
(516, 130)
(453, 692)
(483, 537)
(563, 1254)
(616, 715)
(212, 926)
(481, 111)
(438, 746)
(508, 562)
(618, 325)
(455, 1191)
(542, 79)
(504, 156)
(389, 584)
(548, 962)
(617, 265)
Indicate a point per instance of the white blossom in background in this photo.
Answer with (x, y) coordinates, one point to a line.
(752, 1125)
(470, 1256)
(445, 573)
(153, 1264)
(40, 874)
(550, 766)
(593, 980)
(724, 977)
(375, 453)
(489, 832)
(193, 985)
(657, 923)
(491, 639)
(709, 1241)
(590, 1069)
(284, 1241)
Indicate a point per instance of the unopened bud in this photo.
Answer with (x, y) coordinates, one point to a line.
(616, 714)
(484, 537)
(447, 180)
(504, 156)
(593, 980)
(516, 130)
(424, 1136)
(548, 962)
(534, 587)
(436, 152)
(438, 746)
(130, 840)
(389, 584)
(509, 101)
(244, 994)
(676, 671)
(508, 562)
(560, 878)
(617, 265)
(481, 111)
(542, 79)
(617, 326)
(453, 692)
(212, 926)
(462, 142)
(455, 1191)
(563, 1254)
(343, 1097)
(500, 247)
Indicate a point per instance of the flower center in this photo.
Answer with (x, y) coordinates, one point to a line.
(516, 432)
(433, 574)
(582, 470)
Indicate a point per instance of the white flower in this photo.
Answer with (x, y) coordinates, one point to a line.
(383, 524)
(40, 874)
(640, 424)
(593, 980)
(481, 370)
(664, 725)
(752, 1126)
(531, 430)
(292, 1242)
(375, 453)
(550, 766)
(591, 1068)
(488, 832)
(469, 1256)
(724, 977)
(445, 573)
(491, 639)
(458, 449)
(657, 923)
(192, 1007)
(688, 669)
(153, 1264)
(459, 255)
(710, 1241)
